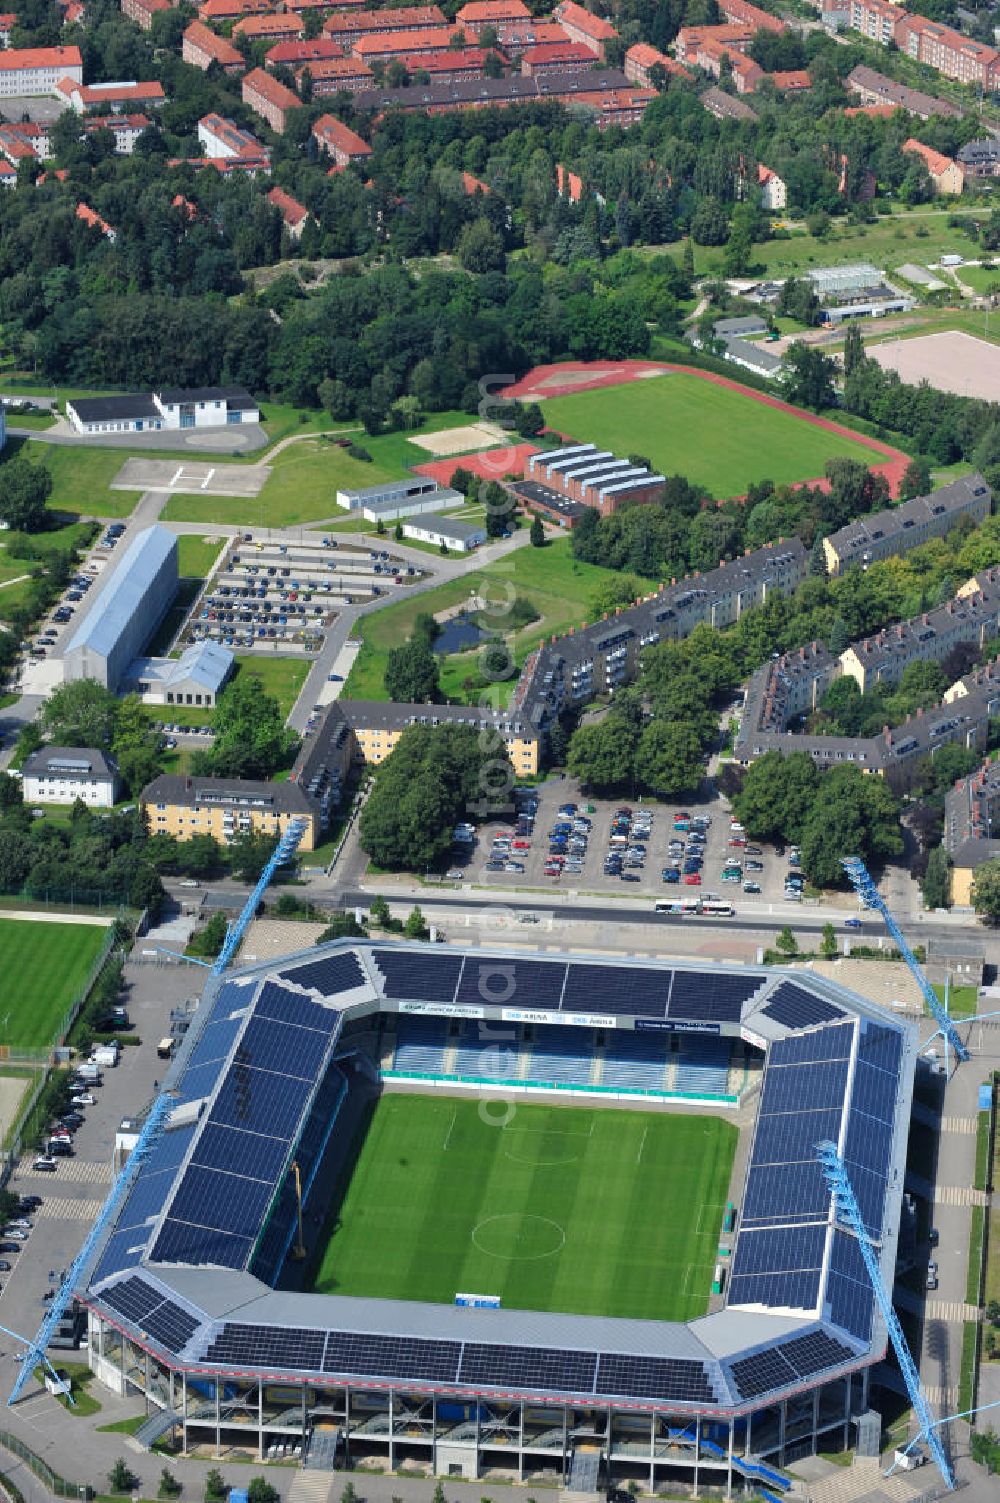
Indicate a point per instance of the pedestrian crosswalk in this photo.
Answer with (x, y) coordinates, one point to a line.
(958, 1195)
(967, 1126)
(941, 1398)
(64, 1207)
(950, 1309)
(70, 1171)
(311, 1487)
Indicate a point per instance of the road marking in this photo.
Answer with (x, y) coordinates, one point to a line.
(70, 1171)
(964, 1125)
(951, 1309)
(207, 480)
(69, 1209)
(176, 476)
(958, 1195)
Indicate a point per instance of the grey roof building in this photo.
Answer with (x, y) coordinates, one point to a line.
(899, 528)
(197, 677)
(740, 328)
(980, 158)
(875, 88)
(63, 774)
(726, 106)
(754, 357)
(451, 531)
(127, 608)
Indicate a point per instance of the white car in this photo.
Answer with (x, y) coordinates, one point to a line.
(84, 1098)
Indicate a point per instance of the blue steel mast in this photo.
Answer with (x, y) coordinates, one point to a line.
(151, 1129)
(848, 1213)
(871, 898)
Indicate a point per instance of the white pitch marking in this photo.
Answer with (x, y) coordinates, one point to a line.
(207, 480)
(451, 1129)
(642, 1145)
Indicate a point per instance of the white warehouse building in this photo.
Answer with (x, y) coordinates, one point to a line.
(197, 407)
(126, 610)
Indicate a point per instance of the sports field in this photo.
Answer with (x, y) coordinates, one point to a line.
(599, 1212)
(711, 434)
(44, 966)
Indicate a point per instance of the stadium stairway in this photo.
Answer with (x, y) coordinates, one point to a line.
(321, 1453)
(584, 1474)
(156, 1427)
(770, 1483)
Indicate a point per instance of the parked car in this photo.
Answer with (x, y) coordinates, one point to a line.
(751, 887)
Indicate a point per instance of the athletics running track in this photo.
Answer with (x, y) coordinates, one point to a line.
(572, 376)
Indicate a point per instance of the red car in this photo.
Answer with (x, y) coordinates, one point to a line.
(693, 879)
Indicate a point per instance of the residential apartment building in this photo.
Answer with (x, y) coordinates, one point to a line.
(556, 57)
(31, 71)
(980, 159)
(897, 529)
(330, 75)
(219, 12)
(377, 725)
(972, 827)
(461, 64)
(294, 215)
(63, 774)
(726, 106)
(604, 93)
(126, 129)
(143, 11)
(744, 13)
(691, 40)
(201, 47)
(583, 26)
(270, 99)
(226, 808)
(773, 189)
(269, 28)
(302, 53)
(347, 26)
(641, 60)
(378, 48)
(875, 19)
(947, 51)
(971, 618)
(505, 17)
(121, 97)
(946, 175)
(341, 143)
(876, 88)
(227, 141)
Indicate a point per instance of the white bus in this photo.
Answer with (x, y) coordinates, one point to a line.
(682, 907)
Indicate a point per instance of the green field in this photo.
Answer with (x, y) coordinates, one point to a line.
(195, 556)
(689, 426)
(558, 586)
(589, 1212)
(46, 965)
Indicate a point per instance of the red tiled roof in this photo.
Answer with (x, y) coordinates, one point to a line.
(290, 54)
(267, 26)
(394, 41)
(90, 217)
(937, 162)
(552, 52)
(346, 68)
(473, 185)
(266, 86)
(592, 26)
(292, 212)
(329, 131)
(202, 37)
(40, 57)
(792, 78)
(483, 12)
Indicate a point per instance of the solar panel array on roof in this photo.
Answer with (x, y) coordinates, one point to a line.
(391, 1356)
(157, 1317)
(794, 1007)
(220, 1204)
(133, 1298)
(504, 982)
(848, 1288)
(616, 989)
(778, 1266)
(144, 1202)
(712, 998)
(333, 974)
(868, 1145)
(791, 1362)
(293, 1347)
(171, 1326)
(555, 1370)
(674, 1379)
(428, 977)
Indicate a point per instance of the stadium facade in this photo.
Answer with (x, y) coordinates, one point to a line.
(192, 1290)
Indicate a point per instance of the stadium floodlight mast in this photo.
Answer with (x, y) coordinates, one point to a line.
(151, 1129)
(848, 1213)
(861, 881)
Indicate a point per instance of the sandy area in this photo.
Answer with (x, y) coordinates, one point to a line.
(887, 982)
(461, 440)
(269, 939)
(13, 1089)
(949, 361)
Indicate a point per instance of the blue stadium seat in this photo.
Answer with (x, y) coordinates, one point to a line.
(634, 1061)
(421, 1045)
(703, 1066)
(563, 1056)
(481, 1053)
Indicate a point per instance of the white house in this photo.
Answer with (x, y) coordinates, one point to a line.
(199, 407)
(773, 189)
(459, 536)
(63, 774)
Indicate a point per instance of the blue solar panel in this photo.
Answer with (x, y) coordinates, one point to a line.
(848, 1288)
(418, 974)
(821, 1087)
(882, 1047)
(794, 1291)
(215, 1042)
(179, 1242)
(825, 1043)
(248, 1153)
(868, 1142)
(780, 1249)
(490, 982)
(146, 1198)
(287, 1006)
(713, 998)
(794, 1007)
(333, 974)
(198, 1083)
(869, 1190)
(277, 1046)
(779, 1193)
(616, 989)
(874, 1092)
(260, 1101)
(785, 1137)
(223, 1202)
(122, 1250)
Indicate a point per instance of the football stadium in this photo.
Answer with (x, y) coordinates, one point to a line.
(556, 1219)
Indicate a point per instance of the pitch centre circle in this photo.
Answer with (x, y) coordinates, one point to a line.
(518, 1236)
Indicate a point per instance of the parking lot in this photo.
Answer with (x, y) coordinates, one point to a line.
(585, 866)
(73, 1194)
(268, 592)
(56, 630)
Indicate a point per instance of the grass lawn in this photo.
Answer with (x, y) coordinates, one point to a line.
(281, 677)
(560, 1209)
(195, 556)
(51, 962)
(558, 585)
(889, 242)
(715, 436)
(961, 1000)
(81, 479)
(980, 278)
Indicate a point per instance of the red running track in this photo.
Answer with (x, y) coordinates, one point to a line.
(579, 375)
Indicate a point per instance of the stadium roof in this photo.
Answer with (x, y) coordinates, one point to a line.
(189, 1264)
(124, 591)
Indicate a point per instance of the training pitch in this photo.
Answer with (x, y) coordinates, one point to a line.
(601, 1212)
(44, 966)
(716, 436)
(950, 361)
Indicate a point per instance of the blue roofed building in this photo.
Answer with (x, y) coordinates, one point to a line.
(197, 677)
(131, 602)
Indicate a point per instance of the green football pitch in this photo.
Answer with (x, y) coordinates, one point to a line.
(601, 1212)
(713, 435)
(44, 965)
